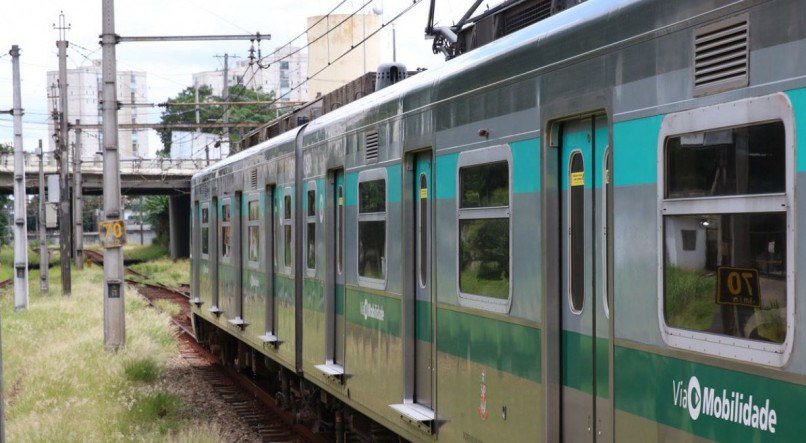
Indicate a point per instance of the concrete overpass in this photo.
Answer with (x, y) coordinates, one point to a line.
(161, 176)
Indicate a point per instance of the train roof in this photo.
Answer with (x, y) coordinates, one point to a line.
(499, 60)
(270, 144)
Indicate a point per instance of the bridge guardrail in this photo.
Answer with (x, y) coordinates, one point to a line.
(163, 165)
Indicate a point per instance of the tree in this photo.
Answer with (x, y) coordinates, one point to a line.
(237, 114)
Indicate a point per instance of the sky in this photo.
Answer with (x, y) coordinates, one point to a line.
(169, 66)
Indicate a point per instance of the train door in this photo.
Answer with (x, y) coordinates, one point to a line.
(215, 217)
(423, 308)
(269, 211)
(335, 302)
(584, 327)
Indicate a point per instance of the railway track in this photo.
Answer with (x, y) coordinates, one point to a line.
(251, 404)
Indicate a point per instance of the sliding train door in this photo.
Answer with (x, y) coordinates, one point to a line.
(584, 176)
(423, 318)
(335, 302)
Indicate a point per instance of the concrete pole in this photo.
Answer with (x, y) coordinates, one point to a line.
(142, 231)
(198, 129)
(64, 169)
(44, 253)
(78, 201)
(225, 97)
(20, 213)
(114, 313)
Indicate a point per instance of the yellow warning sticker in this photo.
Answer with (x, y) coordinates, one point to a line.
(577, 178)
(424, 193)
(607, 176)
(341, 201)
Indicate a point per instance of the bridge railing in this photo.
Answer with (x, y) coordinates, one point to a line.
(96, 164)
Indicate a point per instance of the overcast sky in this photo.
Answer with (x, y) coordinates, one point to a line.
(169, 66)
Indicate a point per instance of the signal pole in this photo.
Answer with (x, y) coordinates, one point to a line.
(64, 167)
(44, 253)
(114, 313)
(20, 213)
(78, 201)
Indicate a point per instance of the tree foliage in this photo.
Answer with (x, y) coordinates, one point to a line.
(6, 209)
(237, 114)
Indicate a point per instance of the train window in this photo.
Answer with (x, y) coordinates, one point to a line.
(205, 230)
(733, 280)
(311, 224)
(340, 230)
(372, 226)
(422, 223)
(727, 230)
(287, 230)
(484, 227)
(607, 222)
(253, 226)
(226, 231)
(734, 161)
(576, 232)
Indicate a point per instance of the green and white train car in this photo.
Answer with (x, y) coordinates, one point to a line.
(586, 230)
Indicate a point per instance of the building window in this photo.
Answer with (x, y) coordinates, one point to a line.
(226, 231)
(288, 239)
(253, 231)
(727, 229)
(372, 225)
(205, 230)
(484, 228)
(311, 225)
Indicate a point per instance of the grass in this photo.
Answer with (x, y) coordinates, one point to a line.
(61, 385)
(168, 307)
(165, 271)
(7, 260)
(138, 253)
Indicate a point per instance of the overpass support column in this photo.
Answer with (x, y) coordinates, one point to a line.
(179, 222)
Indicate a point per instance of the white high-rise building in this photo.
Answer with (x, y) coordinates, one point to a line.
(284, 75)
(84, 90)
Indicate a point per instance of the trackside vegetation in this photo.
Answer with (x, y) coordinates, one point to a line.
(61, 385)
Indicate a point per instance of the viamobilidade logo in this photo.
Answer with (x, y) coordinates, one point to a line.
(734, 406)
(372, 310)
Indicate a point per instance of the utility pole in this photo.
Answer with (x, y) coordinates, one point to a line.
(20, 213)
(78, 202)
(114, 313)
(198, 129)
(225, 96)
(64, 166)
(44, 253)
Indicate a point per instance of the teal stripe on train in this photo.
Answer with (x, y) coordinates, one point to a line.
(685, 395)
(526, 166)
(798, 99)
(636, 151)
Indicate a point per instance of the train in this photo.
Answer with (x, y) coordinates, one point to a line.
(584, 231)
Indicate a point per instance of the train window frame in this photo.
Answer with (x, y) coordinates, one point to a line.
(742, 113)
(288, 269)
(205, 207)
(478, 157)
(256, 223)
(368, 176)
(310, 219)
